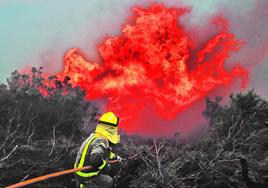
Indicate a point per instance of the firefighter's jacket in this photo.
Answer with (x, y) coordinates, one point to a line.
(94, 144)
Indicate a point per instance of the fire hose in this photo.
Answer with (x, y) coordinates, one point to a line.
(60, 173)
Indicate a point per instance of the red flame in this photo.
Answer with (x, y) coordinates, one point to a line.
(149, 65)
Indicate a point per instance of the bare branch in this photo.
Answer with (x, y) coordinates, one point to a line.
(6, 157)
(254, 134)
(54, 141)
(157, 150)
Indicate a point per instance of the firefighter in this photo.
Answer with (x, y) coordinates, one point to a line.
(96, 151)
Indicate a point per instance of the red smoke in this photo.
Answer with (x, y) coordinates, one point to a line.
(148, 65)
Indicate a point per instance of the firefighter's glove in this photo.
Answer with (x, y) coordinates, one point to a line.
(119, 159)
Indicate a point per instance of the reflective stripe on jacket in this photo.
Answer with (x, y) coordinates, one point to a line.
(93, 144)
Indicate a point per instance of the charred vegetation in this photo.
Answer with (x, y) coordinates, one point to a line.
(41, 133)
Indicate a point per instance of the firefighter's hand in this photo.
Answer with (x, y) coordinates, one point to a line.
(119, 159)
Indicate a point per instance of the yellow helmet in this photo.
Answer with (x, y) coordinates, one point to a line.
(107, 126)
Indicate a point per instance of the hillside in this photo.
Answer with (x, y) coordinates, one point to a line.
(42, 128)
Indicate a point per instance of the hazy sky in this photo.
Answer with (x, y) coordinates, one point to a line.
(38, 32)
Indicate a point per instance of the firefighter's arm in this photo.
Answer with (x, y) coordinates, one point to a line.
(98, 150)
